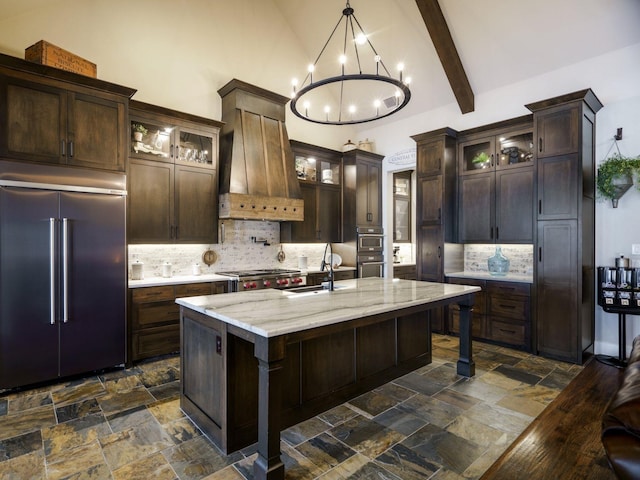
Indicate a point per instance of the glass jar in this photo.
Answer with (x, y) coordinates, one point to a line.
(498, 264)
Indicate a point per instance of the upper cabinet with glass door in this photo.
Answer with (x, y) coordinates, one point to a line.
(314, 167)
(402, 207)
(488, 153)
(173, 142)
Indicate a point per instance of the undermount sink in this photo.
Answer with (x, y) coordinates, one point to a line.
(310, 290)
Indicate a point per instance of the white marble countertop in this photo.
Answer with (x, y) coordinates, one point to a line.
(271, 312)
(177, 280)
(404, 264)
(509, 277)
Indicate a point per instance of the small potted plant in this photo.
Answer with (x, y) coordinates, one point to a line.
(481, 160)
(139, 131)
(615, 177)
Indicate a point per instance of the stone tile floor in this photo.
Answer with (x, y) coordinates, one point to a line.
(429, 424)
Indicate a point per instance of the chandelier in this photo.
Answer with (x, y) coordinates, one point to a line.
(341, 92)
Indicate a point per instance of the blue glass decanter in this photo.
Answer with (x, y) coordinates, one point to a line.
(498, 263)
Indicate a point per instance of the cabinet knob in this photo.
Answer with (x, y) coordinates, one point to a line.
(540, 144)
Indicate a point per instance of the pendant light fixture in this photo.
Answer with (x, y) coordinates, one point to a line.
(355, 86)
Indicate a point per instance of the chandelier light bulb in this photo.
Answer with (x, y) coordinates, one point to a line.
(407, 81)
(306, 106)
(352, 109)
(361, 39)
(400, 69)
(327, 109)
(342, 59)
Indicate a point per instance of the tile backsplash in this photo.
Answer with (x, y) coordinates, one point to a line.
(520, 258)
(236, 251)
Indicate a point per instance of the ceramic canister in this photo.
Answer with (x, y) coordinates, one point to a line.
(166, 270)
(136, 270)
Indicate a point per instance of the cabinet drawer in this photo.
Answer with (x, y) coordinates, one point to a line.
(156, 313)
(516, 308)
(508, 288)
(511, 333)
(193, 289)
(152, 294)
(344, 275)
(156, 341)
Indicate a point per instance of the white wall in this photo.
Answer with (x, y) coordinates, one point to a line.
(617, 228)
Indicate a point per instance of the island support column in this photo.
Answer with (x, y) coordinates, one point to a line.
(466, 366)
(270, 353)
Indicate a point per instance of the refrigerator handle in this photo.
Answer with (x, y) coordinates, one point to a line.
(65, 270)
(52, 270)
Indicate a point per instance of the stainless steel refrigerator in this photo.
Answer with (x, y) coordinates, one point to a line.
(63, 272)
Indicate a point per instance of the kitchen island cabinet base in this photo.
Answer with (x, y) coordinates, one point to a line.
(240, 387)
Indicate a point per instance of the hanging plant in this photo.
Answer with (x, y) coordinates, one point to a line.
(615, 176)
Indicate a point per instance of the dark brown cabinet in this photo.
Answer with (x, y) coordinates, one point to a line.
(501, 312)
(496, 184)
(405, 272)
(316, 278)
(52, 116)
(362, 191)
(173, 177)
(155, 317)
(436, 203)
(319, 172)
(564, 131)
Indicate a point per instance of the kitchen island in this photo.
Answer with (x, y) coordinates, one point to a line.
(255, 363)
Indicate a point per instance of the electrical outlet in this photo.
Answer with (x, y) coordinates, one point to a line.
(635, 249)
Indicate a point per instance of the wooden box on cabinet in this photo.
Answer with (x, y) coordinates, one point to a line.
(154, 317)
(172, 176)
(54, 116)
(46, 53)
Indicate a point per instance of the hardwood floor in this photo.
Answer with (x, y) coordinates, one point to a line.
(564, 441)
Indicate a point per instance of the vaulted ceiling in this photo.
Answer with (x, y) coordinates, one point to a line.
(499, 42)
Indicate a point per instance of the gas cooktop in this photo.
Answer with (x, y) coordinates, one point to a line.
(259, 272)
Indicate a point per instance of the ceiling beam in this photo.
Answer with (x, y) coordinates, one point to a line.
(446, 49)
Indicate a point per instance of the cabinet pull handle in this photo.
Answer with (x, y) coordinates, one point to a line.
(177, 231)
(71, 149)
(492, 160)
(507, 331)
(63, 148)
(539, 254)
(65, 270)
(369, 217)
(52, 270)
(440, 213)
(540, 207)
(497, 233)
(507, 306)
(439, 251)
(171, 150)
(540, 144)
(491, 234)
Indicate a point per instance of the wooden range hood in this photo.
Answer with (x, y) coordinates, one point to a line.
(257, 172)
